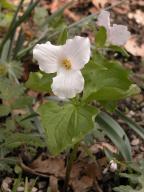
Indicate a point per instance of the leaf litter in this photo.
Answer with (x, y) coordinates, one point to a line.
(85, 173)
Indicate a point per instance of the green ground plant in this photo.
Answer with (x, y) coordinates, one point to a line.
(60, 125)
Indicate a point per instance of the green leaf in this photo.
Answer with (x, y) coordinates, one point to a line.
(63, 37)
(39, 82)
(5, 51)
(7, 5)
(40, 15)
(135, 177)
(106, 80)
(101, 37)
(65, 125)
(118, 49)
(19, 43)
(5, 19)
(109, 105)
(23, 139)
(9, 90)
(4, 110)
(116, 134)
(123, 188)
(113, 93)
(14, 68)
(132, 125)
(22, 102)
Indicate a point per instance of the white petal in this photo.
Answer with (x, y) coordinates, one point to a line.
(104, 19)
(77, 50)
(119, 34)
(47, 56)
(68, 84)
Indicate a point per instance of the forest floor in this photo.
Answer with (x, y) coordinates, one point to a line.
(87, 175)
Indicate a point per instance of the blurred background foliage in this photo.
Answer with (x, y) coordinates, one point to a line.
(21, 27)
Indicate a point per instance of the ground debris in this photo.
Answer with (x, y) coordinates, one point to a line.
(133, 47)
(6, 184)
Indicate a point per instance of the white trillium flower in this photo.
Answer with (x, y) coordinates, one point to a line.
(67, 60)
(116, 34)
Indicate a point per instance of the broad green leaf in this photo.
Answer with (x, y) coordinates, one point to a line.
(39, 82)
(4, 110)
(65, 125)
(101, 37)
(109, 105)
(113, 93)
(106, 80)
(115, 133)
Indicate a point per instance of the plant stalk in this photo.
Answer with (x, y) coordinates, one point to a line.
(71, 159)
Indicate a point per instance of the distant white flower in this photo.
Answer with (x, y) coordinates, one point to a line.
(113, 166)
(67, 60)
(116, 34)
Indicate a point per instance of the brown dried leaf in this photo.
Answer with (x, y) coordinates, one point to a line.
(46, 166)
(138, 2)
(56, 4)
(122, 9)
(84, 174)
(100, 146)
(138, 16)
(99, 3)
(90, 169)
(83, 184)
(6, 184)
(133, 47)
(53, 182)
(51, 166)
(28, 30)
(72, 15)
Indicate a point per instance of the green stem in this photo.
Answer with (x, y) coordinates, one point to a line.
(69, 166)
(11, 27)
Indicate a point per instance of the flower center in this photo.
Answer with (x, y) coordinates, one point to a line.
(67, 64)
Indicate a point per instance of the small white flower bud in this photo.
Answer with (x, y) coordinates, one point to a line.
(113, 166)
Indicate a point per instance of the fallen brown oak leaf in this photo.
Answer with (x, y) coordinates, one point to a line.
(45, 167)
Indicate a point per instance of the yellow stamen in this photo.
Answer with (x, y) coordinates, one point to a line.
(66, 63)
